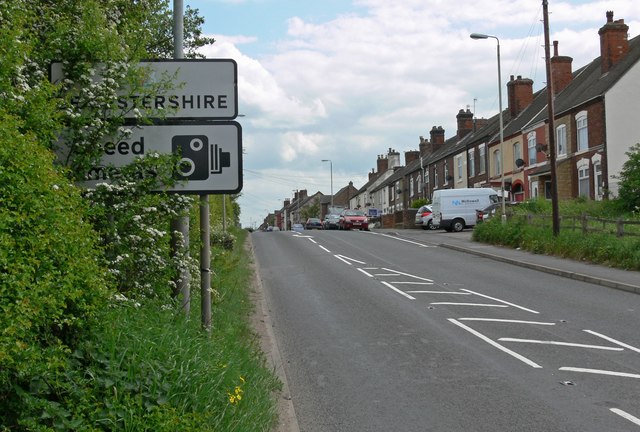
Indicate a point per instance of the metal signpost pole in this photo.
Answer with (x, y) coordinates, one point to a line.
(180, 224)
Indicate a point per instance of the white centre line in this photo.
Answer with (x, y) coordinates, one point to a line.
(569, 344)
(398, 291)
(495, 344)
(507, 320)
(469, 304)
(626, 415)
(414, 283)
(347, 260)
(437, 292)
(600, 372)
(404, 240)
(408, 274)
(312, 241)
(324, 249)
(368, 274)
(501, 301)
(622, 344)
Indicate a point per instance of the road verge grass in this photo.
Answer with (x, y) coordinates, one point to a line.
(599, 248)
(149, 368)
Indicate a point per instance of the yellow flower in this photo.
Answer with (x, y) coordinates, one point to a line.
(242, 379)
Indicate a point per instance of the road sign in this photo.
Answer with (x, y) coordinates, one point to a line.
(211, 155)
(203, 89)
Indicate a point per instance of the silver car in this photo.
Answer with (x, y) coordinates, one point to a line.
(424, 217)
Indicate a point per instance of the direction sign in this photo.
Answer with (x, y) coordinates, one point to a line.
(202, 89)
(211, 155)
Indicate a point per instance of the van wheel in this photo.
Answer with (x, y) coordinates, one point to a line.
(457, 225)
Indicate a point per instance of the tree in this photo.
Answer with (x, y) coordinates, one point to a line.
(311, 211)
(629, 184)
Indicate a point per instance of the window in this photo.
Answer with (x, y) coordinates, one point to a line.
(435, 177)
(497, 163)
(459, 160)
(411, 187)
(483, 162)
(597, 170)
(472, 163)
(517, 153)
(531, 145)
(446, 173)
(583, 178)
(426, 178)
(598, 179)
(583, 133)
(561, 140)
(419, 180)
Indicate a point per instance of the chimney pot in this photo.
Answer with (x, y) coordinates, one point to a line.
(555, 48)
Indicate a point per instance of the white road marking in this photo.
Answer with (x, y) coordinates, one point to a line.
(622, 344)
(368, 274)
(312, 240)
(409, 275)
(600, 372)
(346, 259)
(469, 304)
(386, 274)
(626, 415)
(507, 320)
(496, 345)
(501, 301)
(569, 344)
(398, 291)
(324, 248)
(435, 292)
(404, 240)
(418, 283)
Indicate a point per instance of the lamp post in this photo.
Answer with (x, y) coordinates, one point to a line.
(331, 170)
(484, 36)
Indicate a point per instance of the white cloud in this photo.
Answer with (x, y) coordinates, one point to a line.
(349, 88)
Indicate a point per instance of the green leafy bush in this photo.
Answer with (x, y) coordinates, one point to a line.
(52, 282)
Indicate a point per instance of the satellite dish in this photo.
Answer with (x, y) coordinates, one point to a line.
(519, 163)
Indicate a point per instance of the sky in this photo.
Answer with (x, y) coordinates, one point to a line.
(345, 80)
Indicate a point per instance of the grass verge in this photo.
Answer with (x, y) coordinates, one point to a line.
(148, 368)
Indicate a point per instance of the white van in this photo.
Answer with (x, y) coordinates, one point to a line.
(455, 209)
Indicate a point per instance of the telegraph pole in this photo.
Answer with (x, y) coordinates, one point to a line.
(552, 130)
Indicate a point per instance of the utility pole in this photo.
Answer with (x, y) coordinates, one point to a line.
(180, 224)
(552, 130)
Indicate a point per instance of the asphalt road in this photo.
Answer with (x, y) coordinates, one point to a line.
(380, 333)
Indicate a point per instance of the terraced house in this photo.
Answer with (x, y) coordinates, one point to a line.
(596, 107)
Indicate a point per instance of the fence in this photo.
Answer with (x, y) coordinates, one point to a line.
(589, 224)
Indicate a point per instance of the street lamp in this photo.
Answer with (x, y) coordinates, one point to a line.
(331, 170)
(484, 36)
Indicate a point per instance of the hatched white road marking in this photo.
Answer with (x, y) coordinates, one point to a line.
(622, 344)
(470, 304)
(398, 291)
(626, 415)
(501, 301)
(600, 372)
(569, 344)
(508, 321)
(496, 344)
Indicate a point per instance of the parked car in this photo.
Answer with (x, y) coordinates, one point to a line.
(331, 221)
(353, 219)
(313, 223)
(298, 227)
(491, 210)
(424, 217)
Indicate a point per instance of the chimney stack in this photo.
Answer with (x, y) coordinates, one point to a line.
(410, 156)
(465, 122)
(614, 43)
(561, 74)
(382, 164)
(520, 94)
(437, 135)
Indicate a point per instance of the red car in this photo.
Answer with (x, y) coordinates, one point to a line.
(353, 219)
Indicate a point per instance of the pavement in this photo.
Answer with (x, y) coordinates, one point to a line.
(627, 280)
